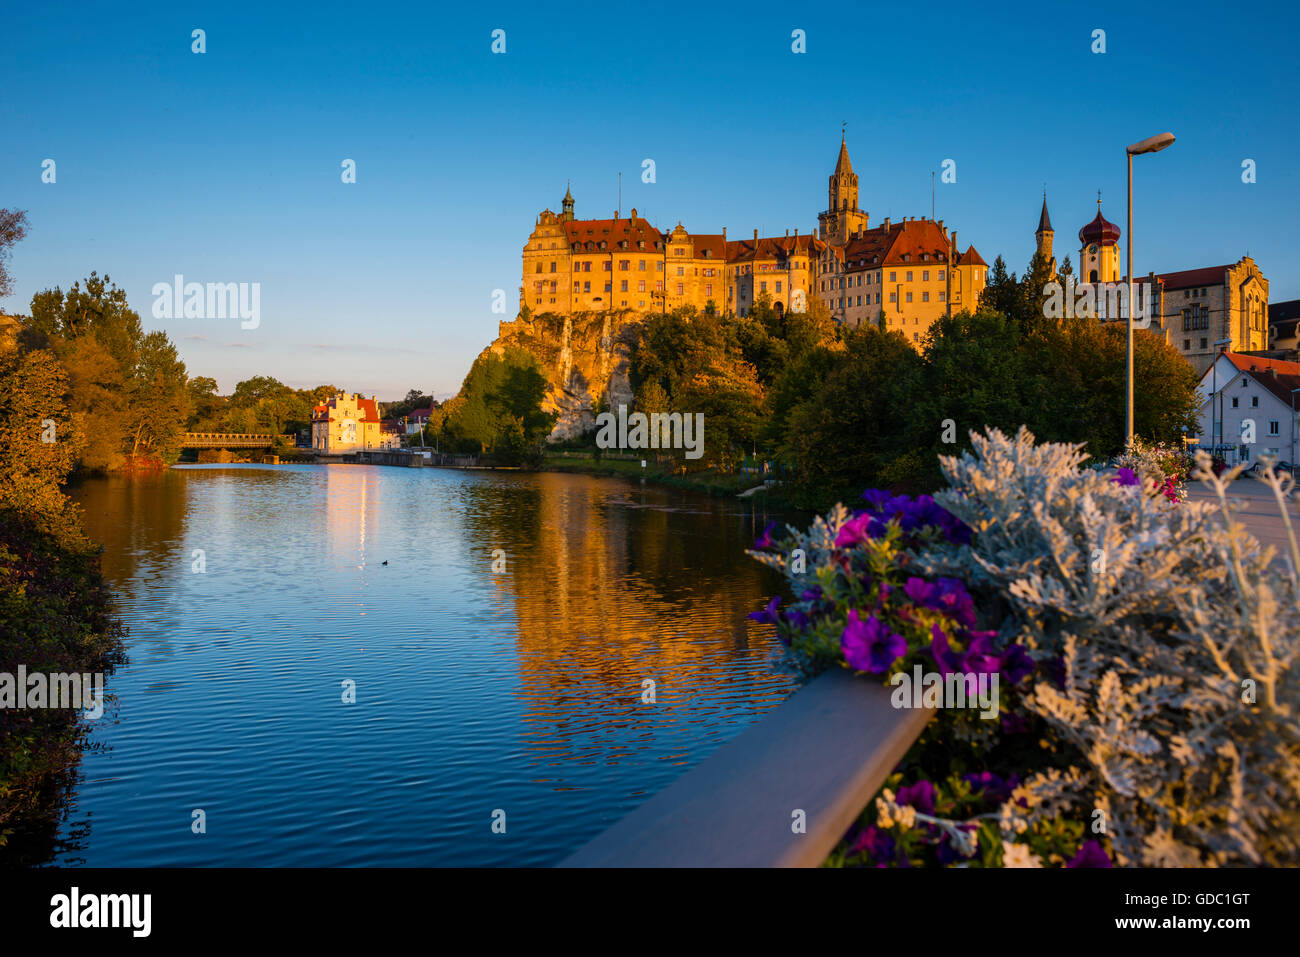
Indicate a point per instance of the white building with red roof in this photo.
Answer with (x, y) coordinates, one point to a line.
(1249, 408)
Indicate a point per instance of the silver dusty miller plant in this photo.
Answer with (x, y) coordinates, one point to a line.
(1174, 635)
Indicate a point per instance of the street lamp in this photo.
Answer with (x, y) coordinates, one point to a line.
(1152, 144)
(1214, 388)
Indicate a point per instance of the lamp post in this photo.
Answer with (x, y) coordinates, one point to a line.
(1152, 144)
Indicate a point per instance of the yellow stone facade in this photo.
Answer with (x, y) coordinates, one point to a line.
(346, 423)
(574, 265)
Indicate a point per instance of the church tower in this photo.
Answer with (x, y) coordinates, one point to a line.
(566, 214)
(842, 217)
(1044, 237)
(1099, 250)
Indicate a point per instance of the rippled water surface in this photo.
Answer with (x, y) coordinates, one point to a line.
(475, 691)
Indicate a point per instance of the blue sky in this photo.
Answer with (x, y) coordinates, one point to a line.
(225, 166)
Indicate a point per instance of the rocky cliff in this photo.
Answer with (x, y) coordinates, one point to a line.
(585, 357)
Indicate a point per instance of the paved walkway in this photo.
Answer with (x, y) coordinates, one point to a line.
(1259, 512)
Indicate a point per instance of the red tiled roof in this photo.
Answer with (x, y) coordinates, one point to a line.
(970, 258)
(1187, 278)
(611, 232)
(709, 246)
(369, 411)
(1280, 385)
(772, 247)
(1260, 364)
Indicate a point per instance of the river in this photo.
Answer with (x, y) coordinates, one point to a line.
(257, 596)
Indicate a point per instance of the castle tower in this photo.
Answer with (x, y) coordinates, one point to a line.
(566, 214)
(842, 217)
(1099, 250)
(1044, 237)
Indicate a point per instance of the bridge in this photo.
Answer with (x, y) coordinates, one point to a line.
(231, 440)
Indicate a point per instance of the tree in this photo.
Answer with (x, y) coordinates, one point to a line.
(13, 227)
(850, 425)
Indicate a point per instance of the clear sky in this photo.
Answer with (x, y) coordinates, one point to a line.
(225, 166)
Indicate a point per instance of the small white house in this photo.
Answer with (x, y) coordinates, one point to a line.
(1247, 408)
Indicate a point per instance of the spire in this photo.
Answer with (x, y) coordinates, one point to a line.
(1044, 221)
(568, 195)
(842, 165)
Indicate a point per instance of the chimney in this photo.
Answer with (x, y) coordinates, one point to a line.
(886, 222)
(756, 234)
(787, 234)
(940, 224)
(724, 234)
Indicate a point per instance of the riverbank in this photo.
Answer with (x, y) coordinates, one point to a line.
(709, 482)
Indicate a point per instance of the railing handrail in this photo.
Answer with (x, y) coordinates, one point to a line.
(825, 751)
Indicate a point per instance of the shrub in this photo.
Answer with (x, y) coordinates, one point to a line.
(1158, 722)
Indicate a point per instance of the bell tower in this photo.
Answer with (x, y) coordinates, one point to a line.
(842, 217)
(1044, 237)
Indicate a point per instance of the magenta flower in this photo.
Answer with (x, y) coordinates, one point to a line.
(765, 540)
(869, 645)
(857, 530)
(1091, 854)
(1125, 477)
(875, 843)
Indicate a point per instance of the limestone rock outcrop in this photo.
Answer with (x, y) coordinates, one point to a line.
(585, 357)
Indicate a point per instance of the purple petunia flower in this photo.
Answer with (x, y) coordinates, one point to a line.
(877, 844)
(1091, 854)
(1016, 664)
(920, 591)
(765, 540)
(1015, 724)
(919, 795)
(942, 653)
(869, 645)
(1125, 477)
(992, 787)
(980, 658)
(768, 614)
(955, 601)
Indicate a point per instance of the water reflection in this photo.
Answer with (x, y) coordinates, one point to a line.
(476, 690)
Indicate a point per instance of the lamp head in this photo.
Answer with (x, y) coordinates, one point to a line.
(1152, 144)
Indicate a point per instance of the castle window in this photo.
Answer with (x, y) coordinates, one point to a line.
(640, 244)
(941, 275)
(778, 287)
(1204, 343)
(1187, 345)
(708, 289)
(640, 286)
(539, 268)
(909, 277)
(609, 266)
(609, 287)
(624, 265)
(942, 295)
(893, 277)
(576, 285)
(1234, 401)
(909, 297)
(679, 289)
(681, 270)
(925, 297)
(640, 266)
(552, 267)
(586, 287)
(925, 275)
(623, 286)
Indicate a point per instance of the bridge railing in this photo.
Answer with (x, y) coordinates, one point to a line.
(824, 752)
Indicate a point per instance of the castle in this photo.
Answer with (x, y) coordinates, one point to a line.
(903, 274)
(1191, 309)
